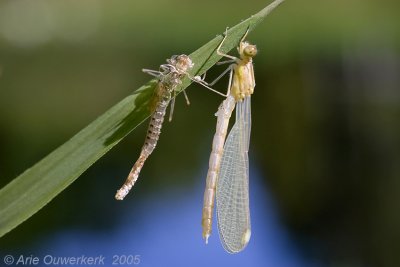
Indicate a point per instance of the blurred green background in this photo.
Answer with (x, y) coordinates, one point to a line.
(325, 134)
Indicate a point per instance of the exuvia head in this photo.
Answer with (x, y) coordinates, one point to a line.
(182, 63)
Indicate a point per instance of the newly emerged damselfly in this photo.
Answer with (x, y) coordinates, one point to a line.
(228, 173)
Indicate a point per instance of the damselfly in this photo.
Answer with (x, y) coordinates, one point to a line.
(228, 173)
(169, 76)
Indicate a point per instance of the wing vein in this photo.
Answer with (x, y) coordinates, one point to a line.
(233, 213)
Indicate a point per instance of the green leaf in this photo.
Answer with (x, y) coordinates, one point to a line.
(34, 188)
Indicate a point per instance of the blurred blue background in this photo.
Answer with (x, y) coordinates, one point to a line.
(325, 148)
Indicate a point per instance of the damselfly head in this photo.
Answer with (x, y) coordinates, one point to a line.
(247, 50)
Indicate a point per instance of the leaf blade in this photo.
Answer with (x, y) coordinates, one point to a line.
(38, 185)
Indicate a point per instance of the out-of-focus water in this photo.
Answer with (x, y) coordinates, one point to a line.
(169, 234)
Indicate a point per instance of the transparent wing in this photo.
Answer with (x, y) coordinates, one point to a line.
(232, 195)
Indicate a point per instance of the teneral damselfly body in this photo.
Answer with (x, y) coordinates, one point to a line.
(169, 76)
(228, 173)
